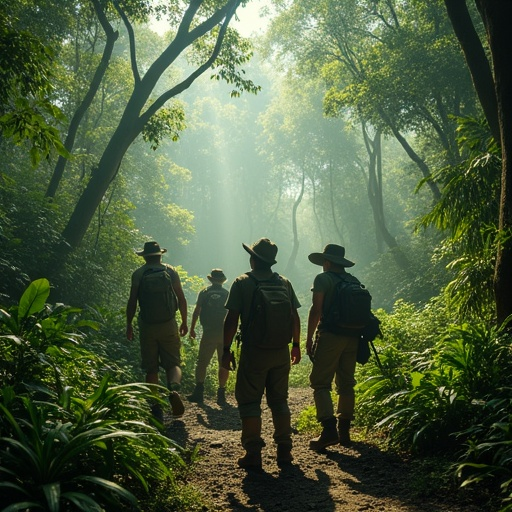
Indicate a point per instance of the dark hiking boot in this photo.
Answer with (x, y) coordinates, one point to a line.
(251, 460)
(158, 414)
(344, 432)
(197, 395)
(221, 397)
(284, 454)
(328, 437)
(176, 404)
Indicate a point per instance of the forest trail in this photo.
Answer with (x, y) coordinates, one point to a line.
(360, 478)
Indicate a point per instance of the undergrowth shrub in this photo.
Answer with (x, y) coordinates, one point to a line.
(69, 437)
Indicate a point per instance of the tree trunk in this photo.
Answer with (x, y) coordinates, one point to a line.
(87, 100)
(375, 198)
(496, 15)
(476, 60)
(423, 167)
(98, 184)
(290, 266)
(135, 117)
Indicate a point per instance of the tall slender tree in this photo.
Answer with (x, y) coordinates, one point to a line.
(200, 24)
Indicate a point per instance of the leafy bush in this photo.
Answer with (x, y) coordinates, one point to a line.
(421, 399)
(68, 438)
(59, 451)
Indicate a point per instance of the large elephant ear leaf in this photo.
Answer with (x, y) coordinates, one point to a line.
(34, 298)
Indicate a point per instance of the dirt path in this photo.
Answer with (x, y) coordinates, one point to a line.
(361, 478)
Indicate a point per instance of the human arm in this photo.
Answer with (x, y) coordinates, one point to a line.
(295, 352)
(195, 316)
(131, 308)
(230, 327)
(182, 305)
(315, 313)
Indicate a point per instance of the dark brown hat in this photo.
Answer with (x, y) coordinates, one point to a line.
(332, 252)
(151, 249)
(263, 249)
(217, 276)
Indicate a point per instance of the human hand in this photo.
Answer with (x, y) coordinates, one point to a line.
(311, 349)
(183, 329)
(192, 333)
(296, 355)
(129, 332)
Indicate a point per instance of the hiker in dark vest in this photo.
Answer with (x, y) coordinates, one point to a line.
(210, 312)
(333, 355)
(265, 359)
(156, 287)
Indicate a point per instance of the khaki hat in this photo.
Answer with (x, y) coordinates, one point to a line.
(151, 249)
(332, 252)
(263, 249)
(217, 276)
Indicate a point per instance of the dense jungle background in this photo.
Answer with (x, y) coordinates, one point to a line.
(380, 125)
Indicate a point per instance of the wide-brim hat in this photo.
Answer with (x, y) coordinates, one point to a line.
(217, 276)
(333, 253)
(263, 249)
(151, 249)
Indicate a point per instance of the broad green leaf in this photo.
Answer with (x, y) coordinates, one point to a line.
(34, 298)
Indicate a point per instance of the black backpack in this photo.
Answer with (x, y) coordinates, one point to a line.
(350, 309)
(269, 324)
(213, 311)
(157, 300)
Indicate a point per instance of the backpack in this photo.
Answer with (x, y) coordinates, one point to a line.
(350, 308)
(157, 301)
(368, 334)
(269, 322)
(213, 311)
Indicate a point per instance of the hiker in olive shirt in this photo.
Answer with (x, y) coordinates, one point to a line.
(160, 342)
(261, 370)
(210, 312)
(333, 355)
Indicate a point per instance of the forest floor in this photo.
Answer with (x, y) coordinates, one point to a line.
(359, 478)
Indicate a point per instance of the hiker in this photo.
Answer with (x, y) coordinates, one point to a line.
(333, 355)
(264, 364)
(157, 288)
(210, 312)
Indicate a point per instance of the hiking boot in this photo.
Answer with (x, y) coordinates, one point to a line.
(176, 404)
(328, 437)
(197, 395)
(221, 396)
(344, 432)
(251, 460)
(158, 414)
(284, 454)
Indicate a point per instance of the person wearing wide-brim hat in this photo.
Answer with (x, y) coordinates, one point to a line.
(160, 343)
(333, 355)
(210, 311)
(262, 369)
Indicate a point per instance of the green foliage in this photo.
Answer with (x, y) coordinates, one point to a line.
(423, 397)
(68, 437)
(36, 338)
(66, 450)
(165, 123)
(489, 447)
(468, 213)
(26, 113)
(234, 52)
(27, 225)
